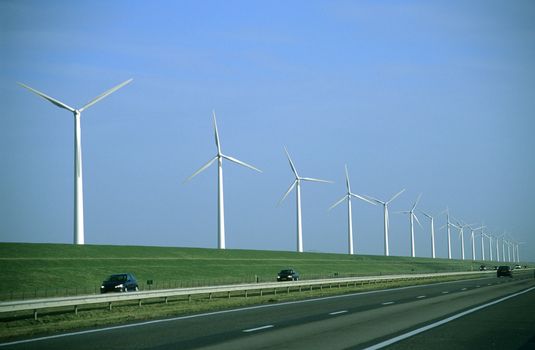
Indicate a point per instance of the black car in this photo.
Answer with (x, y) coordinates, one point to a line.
(121, 282)
(504, 271)
(288, 275)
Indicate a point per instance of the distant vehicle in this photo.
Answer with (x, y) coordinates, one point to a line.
(121, 282)
(288, 275)
(482, 268)
(504, 271)
(518, 267)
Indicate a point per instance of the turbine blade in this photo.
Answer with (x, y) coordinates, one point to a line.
(340, 201)
(362, 198)
(396, 195)
(348, 185)
(417, 200)
(291, 163)
(48, 98)
(418, 221)
(202, 168)
(217, 143)
(288, 192)
(240, 163)
(426, 214)
(104, 94)
(315, 180)
(375, 200)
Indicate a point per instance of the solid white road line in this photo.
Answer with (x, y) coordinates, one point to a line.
(388, 303)
(257, 328)
(338, 312)
(420, 297)
(441, 322)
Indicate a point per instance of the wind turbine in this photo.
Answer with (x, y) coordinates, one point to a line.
(348, 196)
(448, 225)
(489, 236)
(518, 251)
(413, 216)
(297, 184)
(220, 199)
(386, 220)
(472, 230)
(78, 183)
(432, 219)
(460, 226)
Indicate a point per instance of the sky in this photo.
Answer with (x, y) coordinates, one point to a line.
(435, 97)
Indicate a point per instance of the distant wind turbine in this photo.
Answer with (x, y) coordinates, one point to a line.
(386, 219)
(448, 226)
(460, 227)
(432, 219)
(297, 185)
(412, 217)
(220, 199)
(78, 183)
(348, 196)
(472, 230)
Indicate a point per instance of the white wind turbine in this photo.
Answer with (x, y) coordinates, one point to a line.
(432, 219)
(518, 251)
(220, 199)
(448, 226)
(472, 239)
(348, 196)
(79, 237)
(489, 236)
(386, 219)
(413, 216)
(297, 185)
(460, 226)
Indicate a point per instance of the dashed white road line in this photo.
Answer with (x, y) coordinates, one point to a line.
(463, 289)
(257, 328)
(388, 303)
(338, 312)
(445, 292)
(420, 297)
(441, 322)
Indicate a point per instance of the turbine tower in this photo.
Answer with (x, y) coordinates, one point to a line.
(482, 246)
(79, 237)
(220, 199)
(472, 230)
(432, 219)
(460, 227)
(297, 185)
(348, 196)
(413, 216)
(386, 220)
(448, 226)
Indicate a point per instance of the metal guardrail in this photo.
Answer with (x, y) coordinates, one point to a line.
(40, 304)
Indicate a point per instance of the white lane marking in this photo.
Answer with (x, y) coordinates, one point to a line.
(478, 286)
(420, 297)
(463, 289)
(490, 284)
(338, 312)
(257, 328)
(441, 322)
(445, 292)
(388, 303)
(140, 324)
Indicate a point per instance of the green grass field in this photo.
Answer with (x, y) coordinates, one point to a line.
(42, 270)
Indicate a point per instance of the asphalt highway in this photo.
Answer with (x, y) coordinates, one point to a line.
(355, 321)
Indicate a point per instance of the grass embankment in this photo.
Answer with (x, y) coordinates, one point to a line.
(54, 269)
(43, 270)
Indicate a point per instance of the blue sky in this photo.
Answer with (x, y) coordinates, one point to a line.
(435, 97)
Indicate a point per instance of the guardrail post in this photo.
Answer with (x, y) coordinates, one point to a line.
(246, 293)
(288, 290)
(189, 297)
(139, 302)
(76, 309)
(35, 315)
(261, 292)
(210, 296)
(109, 306)
(229, 295)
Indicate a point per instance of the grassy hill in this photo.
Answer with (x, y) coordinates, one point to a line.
(36, 270)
